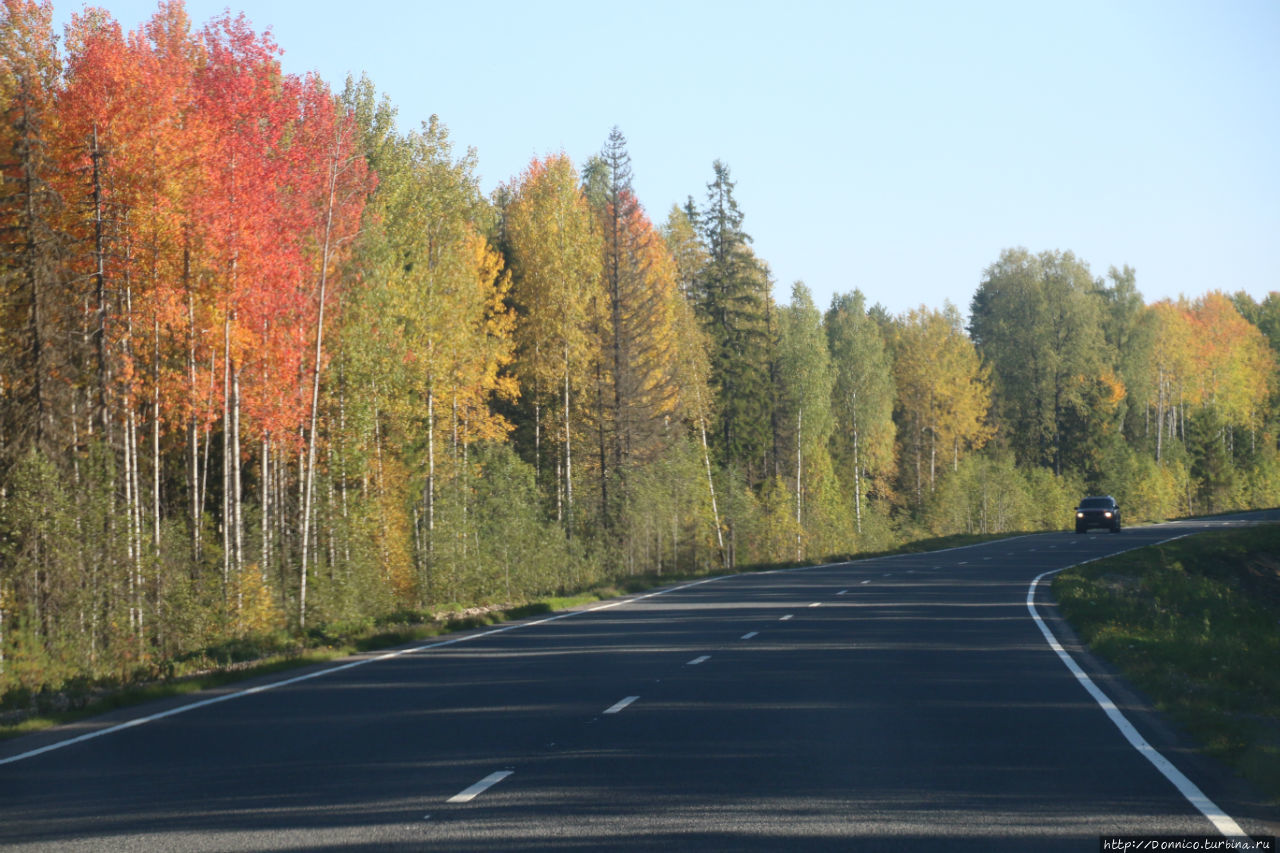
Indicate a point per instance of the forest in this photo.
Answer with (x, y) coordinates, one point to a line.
(271, 366)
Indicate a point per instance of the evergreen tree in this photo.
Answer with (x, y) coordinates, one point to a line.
(731, 297)
(637, 366)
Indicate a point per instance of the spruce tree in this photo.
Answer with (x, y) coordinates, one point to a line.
(732, 299)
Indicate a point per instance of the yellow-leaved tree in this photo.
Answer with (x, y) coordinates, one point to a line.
(554, 256)
(943, 394)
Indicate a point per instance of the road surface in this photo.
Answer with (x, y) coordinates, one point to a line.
(902, 703)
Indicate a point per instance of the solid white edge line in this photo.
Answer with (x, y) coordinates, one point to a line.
(468, 794)
(263, 688)
(620, 704)
(1220, 819)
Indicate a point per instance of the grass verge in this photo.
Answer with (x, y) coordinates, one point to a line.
(1195, 624)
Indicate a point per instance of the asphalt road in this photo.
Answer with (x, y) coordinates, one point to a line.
(905, 703)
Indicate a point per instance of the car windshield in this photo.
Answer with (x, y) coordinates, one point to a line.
(1095, 503)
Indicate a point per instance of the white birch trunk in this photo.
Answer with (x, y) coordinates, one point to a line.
(799, 486)
(315, 388)
(237, 504)
(568, 453)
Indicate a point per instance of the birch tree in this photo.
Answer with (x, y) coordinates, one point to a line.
(862, 400)
(555, 258)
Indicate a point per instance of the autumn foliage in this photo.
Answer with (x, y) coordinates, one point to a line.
(272, 367)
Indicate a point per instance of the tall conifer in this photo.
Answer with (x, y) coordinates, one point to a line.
(732, 298)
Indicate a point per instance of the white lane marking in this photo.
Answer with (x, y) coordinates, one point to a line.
(468, 794)
(842, 592)
(785, 618)
(816, 604)
(262, 688)
(620, 704)
(698, 660)
(1220, 819)
(750, 634)
(866, 581)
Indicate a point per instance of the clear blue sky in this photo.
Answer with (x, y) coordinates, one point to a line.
(892, 147)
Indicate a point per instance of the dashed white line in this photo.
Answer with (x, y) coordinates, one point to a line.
(750, 634)
(351, 664)
(785, 618)
(620, 704)
(468, 794)
(816, 604)
(866, 581)
(842, 592)
(698, 660)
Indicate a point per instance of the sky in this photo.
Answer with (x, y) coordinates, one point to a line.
(893, 147)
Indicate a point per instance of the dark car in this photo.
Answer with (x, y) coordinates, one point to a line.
(1102, 511)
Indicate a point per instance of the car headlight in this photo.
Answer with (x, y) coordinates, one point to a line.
(1107, 514)
(1079, 515)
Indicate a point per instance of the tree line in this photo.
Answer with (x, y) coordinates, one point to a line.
(271, 365)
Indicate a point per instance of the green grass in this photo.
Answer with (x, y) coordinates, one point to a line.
(1195, 624)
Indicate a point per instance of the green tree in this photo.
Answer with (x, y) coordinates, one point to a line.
(804, 409)
(1036, 319)
(685, 245)
(1129, 340)
(862, 400)
(731, 298)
